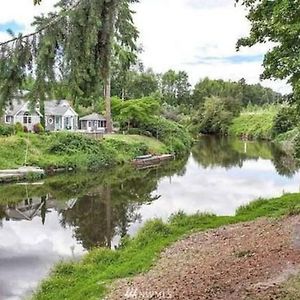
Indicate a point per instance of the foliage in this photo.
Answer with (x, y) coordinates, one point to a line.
(173, 135)
(90, 277)
(134, 84)
(38, 128)
(296, 143)
(69, 150)
(217, 114)
(6, 130)
(241, 91)
(63, 50)
(277, 22)
(175, 87)
(132, 113)
(285, 120)
(19, 127)
(254, 125)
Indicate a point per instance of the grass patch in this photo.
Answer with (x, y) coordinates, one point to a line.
(154, 146)
(69, 150)
(91, 277)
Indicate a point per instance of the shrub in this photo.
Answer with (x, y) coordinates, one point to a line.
(285, 120)
(6, 130)
(25, 129)
(217, 114)
(70, 143)
(38, 128)
(175, 136)
(19, 127)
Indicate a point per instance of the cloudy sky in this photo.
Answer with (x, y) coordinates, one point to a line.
(197, 36)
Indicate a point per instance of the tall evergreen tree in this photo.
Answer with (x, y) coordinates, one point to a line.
(76, 43)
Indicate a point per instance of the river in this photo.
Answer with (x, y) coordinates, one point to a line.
(64, 216)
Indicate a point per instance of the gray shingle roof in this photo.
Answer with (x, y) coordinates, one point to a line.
(93, 117)
(15, 106)
(56, 107)
(52, 108)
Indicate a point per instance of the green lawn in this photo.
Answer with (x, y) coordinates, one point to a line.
(91, 277)
(154, 145)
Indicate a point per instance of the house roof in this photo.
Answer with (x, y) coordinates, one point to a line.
(57, 107)
(18, 106)
(15, 106)
(93, 117)
(52, 107)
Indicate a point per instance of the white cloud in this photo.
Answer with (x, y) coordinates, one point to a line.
(175, 33)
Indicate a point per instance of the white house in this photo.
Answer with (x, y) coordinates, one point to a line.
(59, 115)
(20, 111)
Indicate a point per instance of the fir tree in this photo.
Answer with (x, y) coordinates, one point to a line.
(75, 44)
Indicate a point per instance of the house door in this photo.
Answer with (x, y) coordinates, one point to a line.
(89, 125)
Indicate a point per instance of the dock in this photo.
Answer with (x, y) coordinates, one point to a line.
(22, 173)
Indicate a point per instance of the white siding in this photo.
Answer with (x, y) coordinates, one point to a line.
(34, 120)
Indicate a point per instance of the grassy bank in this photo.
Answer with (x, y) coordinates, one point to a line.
(253, 125)
(67, 150)
(90, 278)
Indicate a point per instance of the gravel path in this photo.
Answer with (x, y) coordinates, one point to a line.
(243, 261)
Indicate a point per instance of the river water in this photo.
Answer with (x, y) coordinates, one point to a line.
(66, 215)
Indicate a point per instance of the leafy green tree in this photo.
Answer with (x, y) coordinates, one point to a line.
(285, 120)
(175, 87)
(207, 88)
(277, 22)
(143, 84)
(217, 114)
(241, 91)
(133, 113)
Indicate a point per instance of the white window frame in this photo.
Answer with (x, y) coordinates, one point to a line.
(10, 119)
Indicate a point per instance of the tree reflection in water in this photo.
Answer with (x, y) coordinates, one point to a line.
(97, 206)
(229, 152)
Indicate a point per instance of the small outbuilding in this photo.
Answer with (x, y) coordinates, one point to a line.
(93, 123)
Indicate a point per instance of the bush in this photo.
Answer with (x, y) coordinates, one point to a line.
(25, 129)
(6, 130)
(19, 127)
(285, 120)
(217, 114)
(38, 128)
(175, 136)
(69, 143)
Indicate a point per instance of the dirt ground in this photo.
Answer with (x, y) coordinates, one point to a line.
(244, 261)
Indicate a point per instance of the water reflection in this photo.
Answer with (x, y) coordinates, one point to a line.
(67, 215)
(231, 152)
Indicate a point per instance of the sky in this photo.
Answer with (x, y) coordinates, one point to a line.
(197, 36)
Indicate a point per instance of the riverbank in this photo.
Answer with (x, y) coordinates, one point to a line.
(254, 125)
(91, 277)
(250, 260)
(73, 151)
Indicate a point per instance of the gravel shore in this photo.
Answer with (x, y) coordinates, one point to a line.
(243, 261)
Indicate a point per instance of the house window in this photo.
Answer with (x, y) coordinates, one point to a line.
(26, 118)
(8, 119)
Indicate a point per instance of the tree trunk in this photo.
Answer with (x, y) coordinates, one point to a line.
(107, 98)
